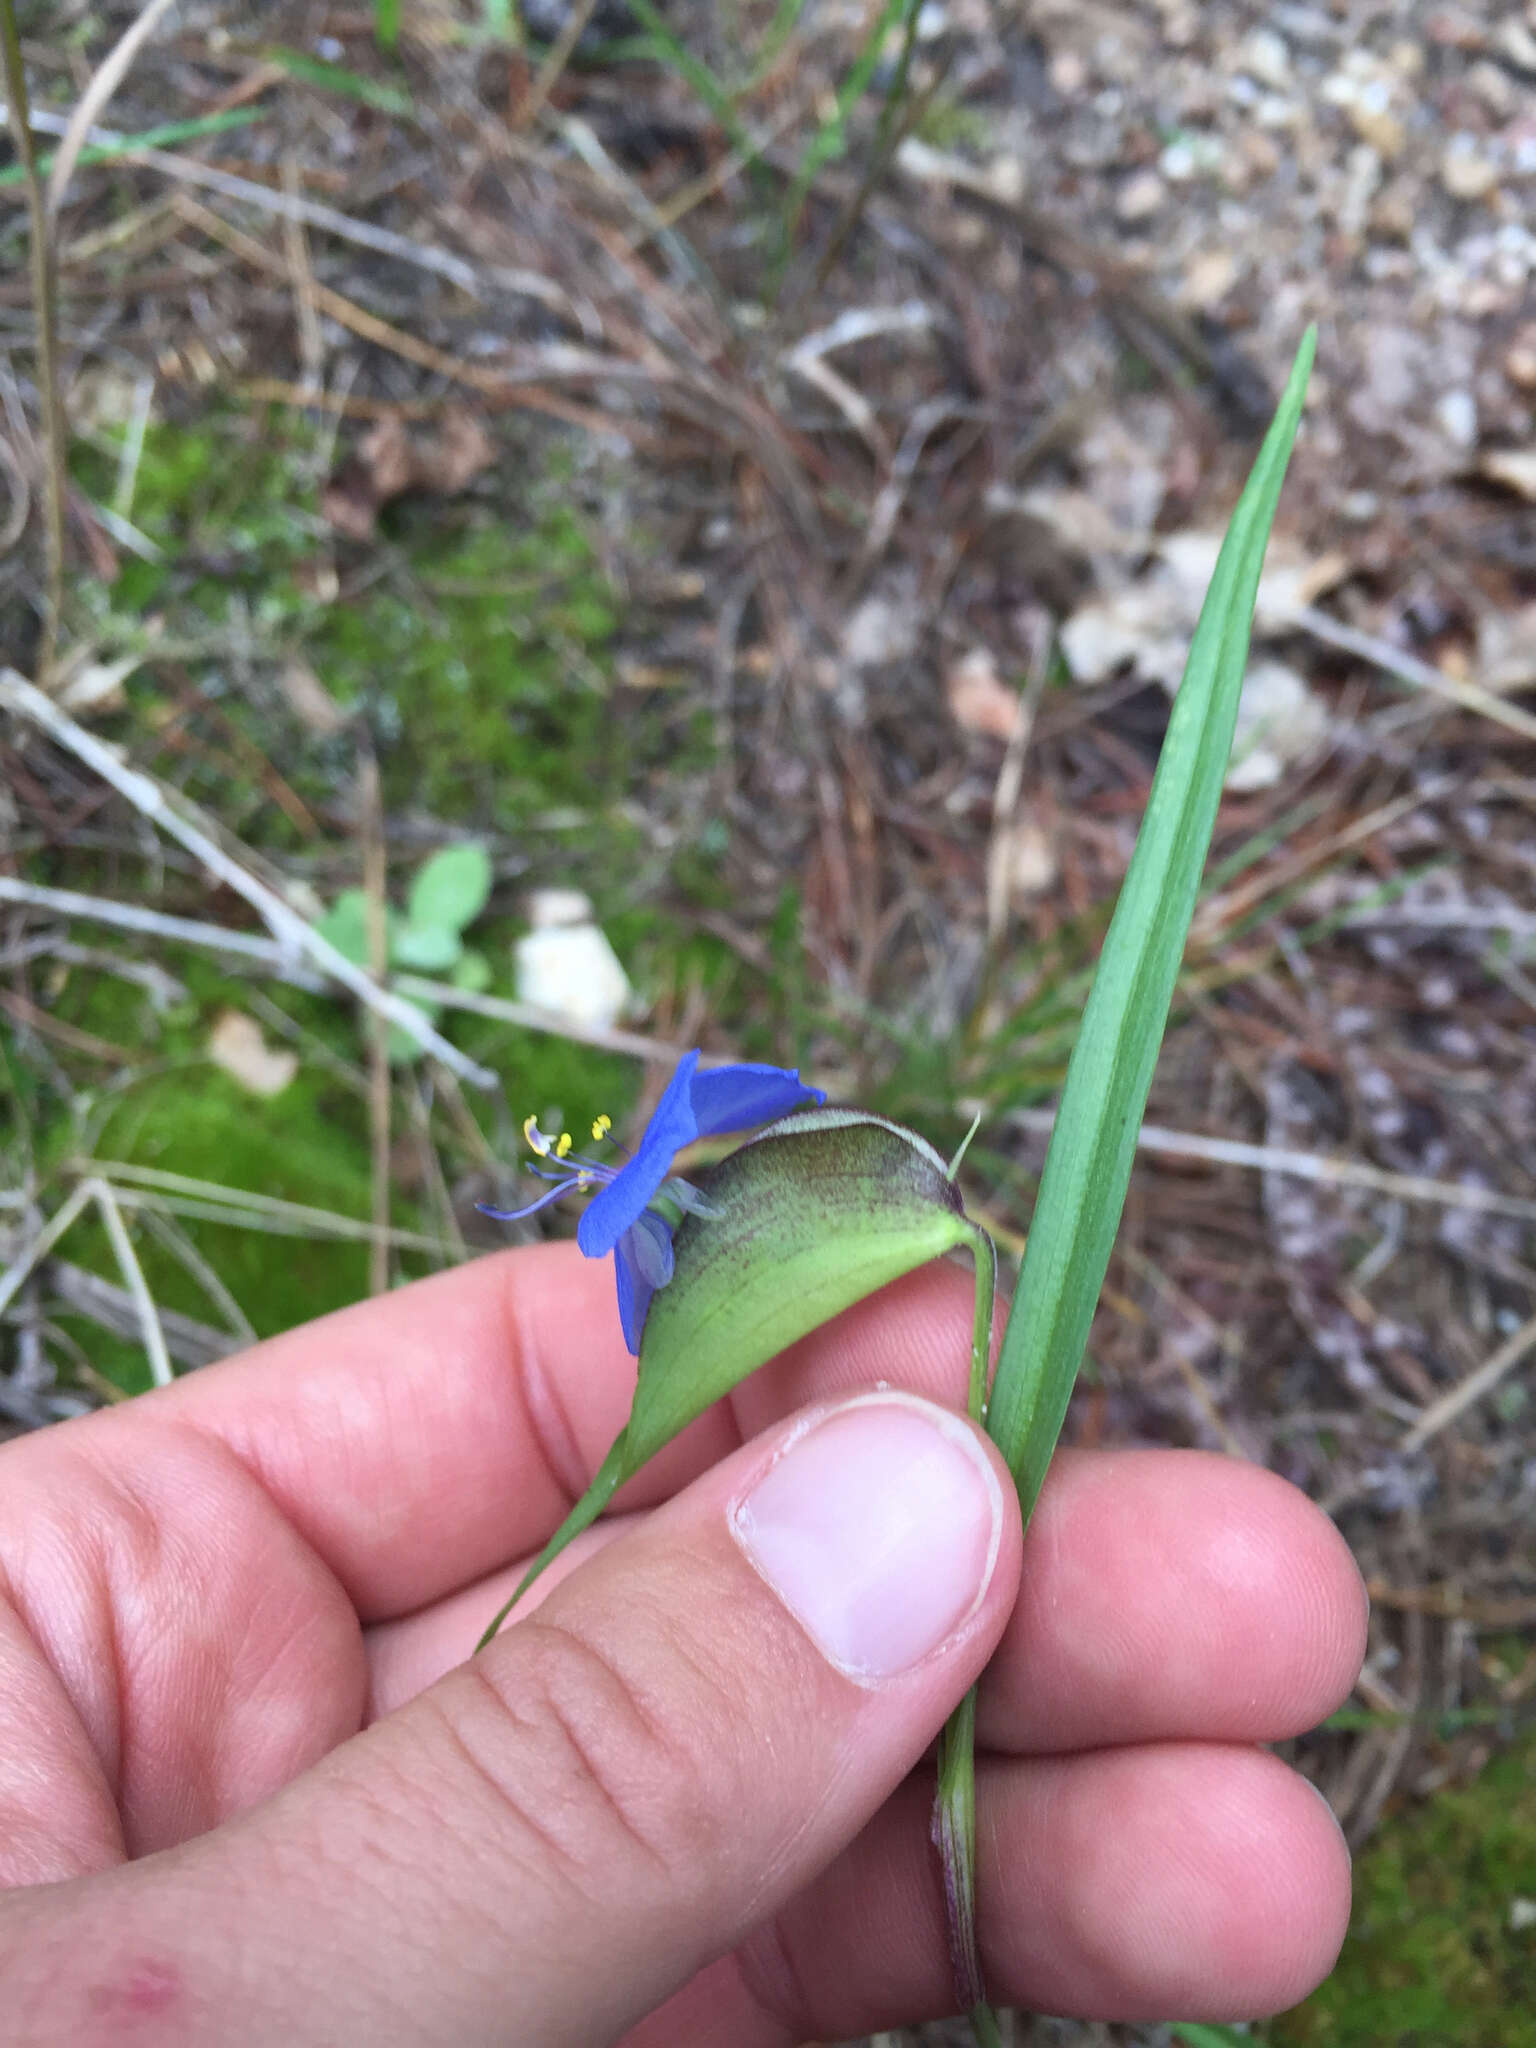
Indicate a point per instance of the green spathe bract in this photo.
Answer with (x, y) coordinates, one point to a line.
(816, 1212)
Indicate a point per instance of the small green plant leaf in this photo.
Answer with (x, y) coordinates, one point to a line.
(345, 924)
(1088, 1166)
(451, 888)
(813, 1214)
(471, 972)
(426, 948)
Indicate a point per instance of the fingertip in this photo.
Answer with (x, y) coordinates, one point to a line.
(1203, 1883)
(1174, 1594)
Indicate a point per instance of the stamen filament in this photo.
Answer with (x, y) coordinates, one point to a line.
(516, 1215)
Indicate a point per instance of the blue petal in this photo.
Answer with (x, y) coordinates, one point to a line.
(623, 1202)
(649, 1244)
(634, 1298)
(737, 1097)
(642, 1262)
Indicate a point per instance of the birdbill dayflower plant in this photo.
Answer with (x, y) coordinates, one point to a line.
(825, 1206)
(639, 1204)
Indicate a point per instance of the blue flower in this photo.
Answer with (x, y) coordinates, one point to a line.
(640, 1204)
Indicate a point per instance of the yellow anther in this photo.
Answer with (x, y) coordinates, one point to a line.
(563, 1144)
(537, 1142)
(602, 1126)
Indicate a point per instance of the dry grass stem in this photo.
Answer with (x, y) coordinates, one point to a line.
(105, 80)
(1474, 1387)
(45, 314)
(150, 1332)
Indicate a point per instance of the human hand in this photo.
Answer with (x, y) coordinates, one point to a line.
(250, 1792)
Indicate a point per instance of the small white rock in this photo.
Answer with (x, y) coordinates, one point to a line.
(1140, 196)
(1456, 412)
(1464, 171)
(1266, 56)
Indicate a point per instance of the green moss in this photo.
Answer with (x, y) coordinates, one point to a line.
(1432, 1959)
(181, 1113)
(227, 503)
(473, 634)
(480, 663)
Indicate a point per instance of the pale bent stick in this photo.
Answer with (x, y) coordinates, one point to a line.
(278, 959)
(285, 925)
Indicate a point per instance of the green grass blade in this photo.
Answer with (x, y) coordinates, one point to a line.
(831, 138)
(1087, 1169)
(669, 50)
(386, 23)
(164, 137)
(352, 85)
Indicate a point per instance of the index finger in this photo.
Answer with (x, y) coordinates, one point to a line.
(422, 1439)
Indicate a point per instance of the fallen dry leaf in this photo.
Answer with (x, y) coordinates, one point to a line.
(449, 460)
(390, 460)
(1279, 721)
(309, 700)
(236, 1045)
(1515, 467)
(978, 697)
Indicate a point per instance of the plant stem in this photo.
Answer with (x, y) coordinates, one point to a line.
(45, 312)
(985, 1255)
(954, 1806)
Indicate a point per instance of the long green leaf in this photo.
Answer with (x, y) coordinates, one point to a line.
(1088, 1166)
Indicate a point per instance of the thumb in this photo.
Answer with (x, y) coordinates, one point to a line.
(552, 1839)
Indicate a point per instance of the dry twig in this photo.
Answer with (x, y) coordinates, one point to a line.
(1476, 1384)
(280, 959)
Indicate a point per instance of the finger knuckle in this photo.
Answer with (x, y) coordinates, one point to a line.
(605, 1763)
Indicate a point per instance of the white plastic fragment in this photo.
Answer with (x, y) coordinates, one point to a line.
(566, 964)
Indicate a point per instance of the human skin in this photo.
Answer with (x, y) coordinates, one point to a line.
(252, 1791)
